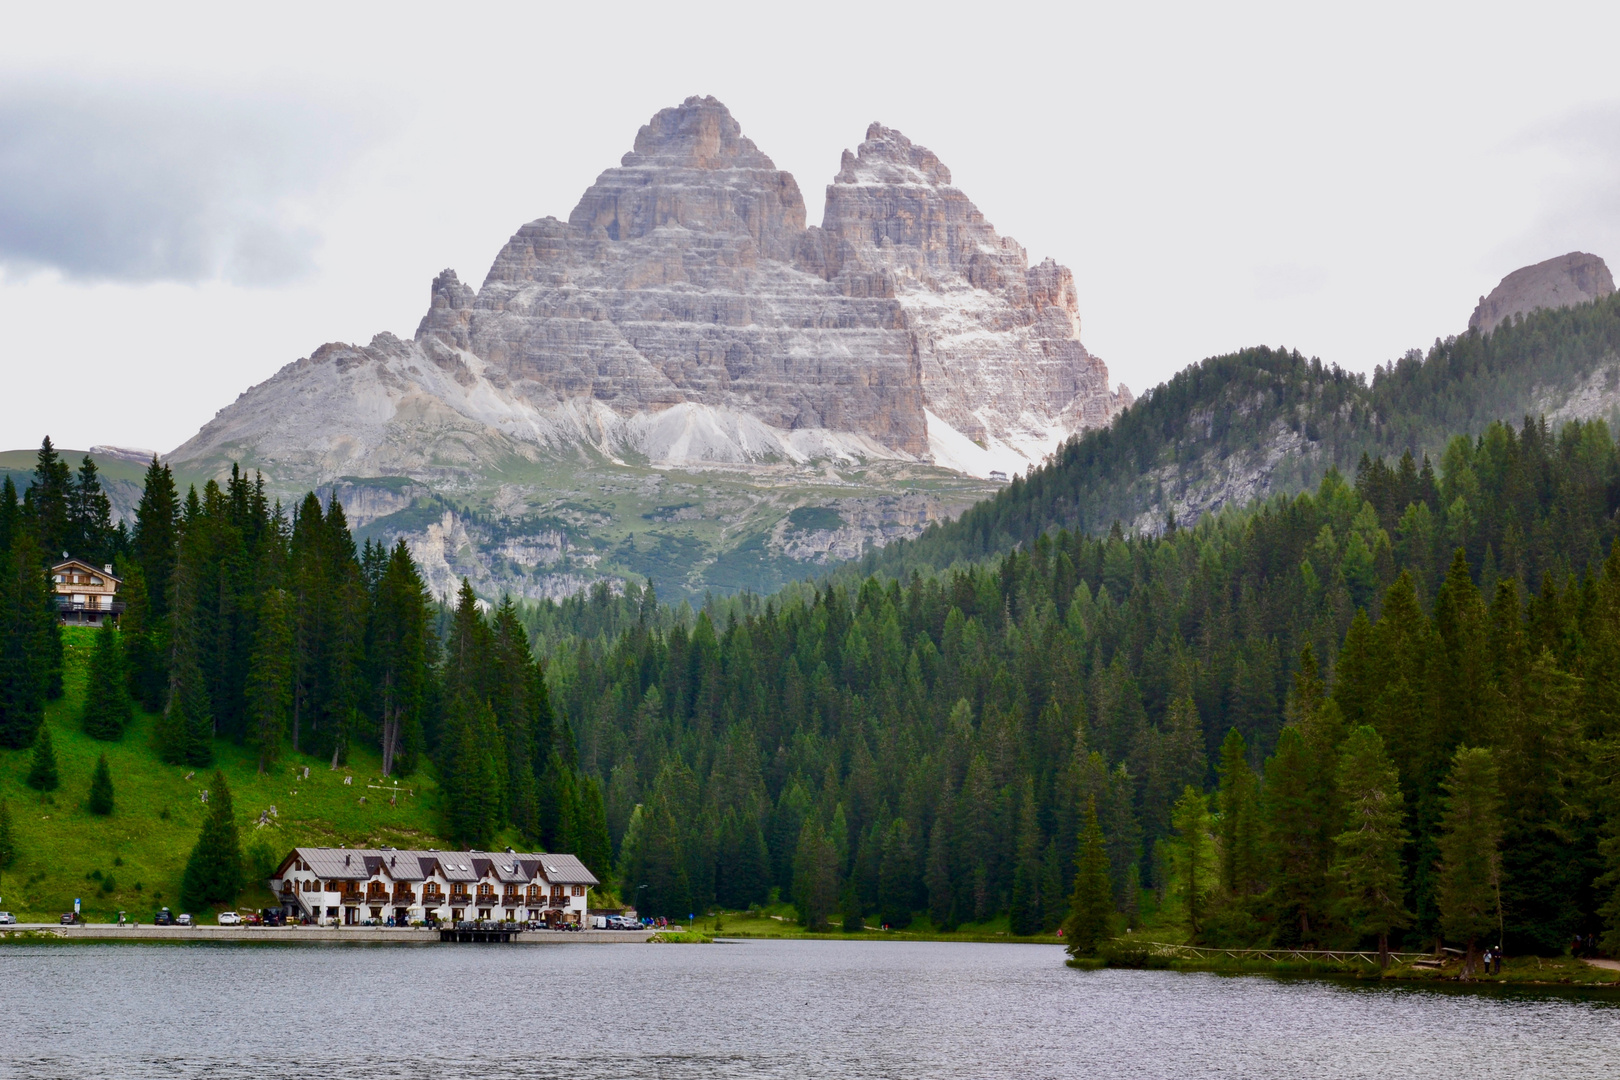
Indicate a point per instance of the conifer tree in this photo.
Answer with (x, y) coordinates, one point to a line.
(595, 848)
(1368, 862)
(1026, 890)
(107, 708)
(269, 689)
(1192, 856)
(1297, 861)
(1091, 903)
(90, 531)
(815, 876)
(897, 875)
(1470, 878)
(213, 873)
(184, 733)
(471, 778)
(101, 788)
(154, 550)
(30, 641)
(42, 774)
(400, 656)
(1238, 801)
(47, 500)
(8, 838)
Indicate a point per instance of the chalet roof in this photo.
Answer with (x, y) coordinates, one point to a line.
(80, 564)
(358, 864)
(565, 870)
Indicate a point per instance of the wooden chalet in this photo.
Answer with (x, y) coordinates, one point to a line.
(85, 594)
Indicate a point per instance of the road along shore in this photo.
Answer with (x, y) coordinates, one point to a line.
(307, 935)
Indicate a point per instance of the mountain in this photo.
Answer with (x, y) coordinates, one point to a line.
(1247, 425)
(1562, 282)
(685, 342)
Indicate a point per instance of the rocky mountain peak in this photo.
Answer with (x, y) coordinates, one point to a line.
(1565, 281)
(699, 133)
(888, 157)
(693, 168)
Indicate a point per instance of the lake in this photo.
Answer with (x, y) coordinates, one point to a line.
(749, 1009)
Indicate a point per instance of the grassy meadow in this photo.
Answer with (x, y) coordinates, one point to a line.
(132, 861)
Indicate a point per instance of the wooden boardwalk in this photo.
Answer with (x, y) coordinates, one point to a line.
(1335, 956)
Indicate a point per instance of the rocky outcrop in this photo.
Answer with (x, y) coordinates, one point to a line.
(1562, 282)
(685, 314)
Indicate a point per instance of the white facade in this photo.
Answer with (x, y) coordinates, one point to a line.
(348, 886)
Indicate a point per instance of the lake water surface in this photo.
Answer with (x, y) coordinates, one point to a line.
(748, 1009)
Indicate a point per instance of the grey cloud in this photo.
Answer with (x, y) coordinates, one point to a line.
(1580, 208)
(141, 183)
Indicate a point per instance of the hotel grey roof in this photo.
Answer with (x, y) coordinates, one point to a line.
(358, 864)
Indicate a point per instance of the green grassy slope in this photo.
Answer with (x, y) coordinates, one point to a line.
(158, 812)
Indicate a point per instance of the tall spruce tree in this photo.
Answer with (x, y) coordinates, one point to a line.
(1192, 857)
(400, 655)
(1368, 861)
(90, 529)
(101, 788)
(47, 500)
(184, 733)
(1293, 840)
(270, 679)
(107, 708)
(8, 838)
(815, 876)
(30, 641)
(214, 872)
(1470, 879)
(897, 875)
(42, 771)
(471, 778)
(1239, 829)
(1091, 903)
(1026, 888)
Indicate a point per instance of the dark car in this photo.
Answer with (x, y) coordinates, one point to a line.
(163, 918)
(68, 918)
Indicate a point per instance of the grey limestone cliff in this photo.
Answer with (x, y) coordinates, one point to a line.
(1562, 282)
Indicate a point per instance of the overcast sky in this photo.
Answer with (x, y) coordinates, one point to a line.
(191, 198)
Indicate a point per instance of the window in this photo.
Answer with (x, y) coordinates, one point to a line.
(579, 890)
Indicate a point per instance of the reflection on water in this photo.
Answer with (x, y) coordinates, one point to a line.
(749, 1009)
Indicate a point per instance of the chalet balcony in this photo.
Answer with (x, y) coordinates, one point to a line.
(404, 897)
(67, 604)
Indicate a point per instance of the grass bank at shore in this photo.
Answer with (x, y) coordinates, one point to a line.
(1516, 971)
(780, 921)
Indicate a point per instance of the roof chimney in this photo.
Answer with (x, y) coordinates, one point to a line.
(106, 568)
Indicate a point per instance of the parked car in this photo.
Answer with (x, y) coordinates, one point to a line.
(68, 918)
(7, 918)
(622, 922)
(163, 918)
(229, 918)
(183, 920)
